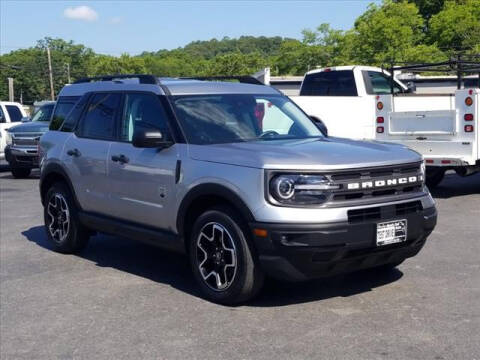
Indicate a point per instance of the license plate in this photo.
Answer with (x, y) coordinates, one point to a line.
(391, 232)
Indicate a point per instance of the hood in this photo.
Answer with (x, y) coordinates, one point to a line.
(306, 154)
(31, 127)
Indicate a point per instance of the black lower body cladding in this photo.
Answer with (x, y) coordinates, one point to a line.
(298, 252)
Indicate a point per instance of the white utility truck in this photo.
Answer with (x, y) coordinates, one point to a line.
(11, 113)
(343, 98)
(444, 128)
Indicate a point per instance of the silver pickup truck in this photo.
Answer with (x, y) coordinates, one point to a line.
(235, 176)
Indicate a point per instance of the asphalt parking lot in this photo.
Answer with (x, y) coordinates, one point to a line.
(121, 299)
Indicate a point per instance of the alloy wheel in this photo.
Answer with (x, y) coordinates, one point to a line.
(59, 217)
(216, 256)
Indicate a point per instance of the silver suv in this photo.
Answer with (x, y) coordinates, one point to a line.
(234, 175)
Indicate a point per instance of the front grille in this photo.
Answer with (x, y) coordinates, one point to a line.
(384, 212)
(26, 139)
(364, 184)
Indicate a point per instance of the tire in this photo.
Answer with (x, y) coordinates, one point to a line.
(227, 272)
(70, 236)
(20, 173)
(434, 177)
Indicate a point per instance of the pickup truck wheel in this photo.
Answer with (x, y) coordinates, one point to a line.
(434, 177)
(20, 173)
(64, 231)
(222, 260)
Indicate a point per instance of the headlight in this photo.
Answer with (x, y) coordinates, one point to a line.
(289, 189)
(8, 138)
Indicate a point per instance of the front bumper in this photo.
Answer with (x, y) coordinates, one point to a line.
(297, 252)
(21, 157)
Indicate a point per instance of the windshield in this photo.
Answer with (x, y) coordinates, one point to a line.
(44, 113)
(216, 119)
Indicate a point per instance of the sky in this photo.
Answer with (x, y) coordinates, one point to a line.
(118, 27)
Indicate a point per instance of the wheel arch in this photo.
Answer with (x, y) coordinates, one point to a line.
(51, 174)
(203, 197)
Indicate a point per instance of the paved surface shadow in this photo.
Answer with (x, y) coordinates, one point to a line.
(173, 269)
(454, 185)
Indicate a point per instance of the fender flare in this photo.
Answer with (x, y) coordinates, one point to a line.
(211, 189)
(56, 169)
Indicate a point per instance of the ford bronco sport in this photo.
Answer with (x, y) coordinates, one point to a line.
(234, 175)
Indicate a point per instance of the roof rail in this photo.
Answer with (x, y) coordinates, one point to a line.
(245, 79)
(142, 78)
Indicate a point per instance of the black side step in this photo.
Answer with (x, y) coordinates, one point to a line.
(152, 236)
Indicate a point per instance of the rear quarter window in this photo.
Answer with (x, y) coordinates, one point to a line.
(329, 83)
(63, 107)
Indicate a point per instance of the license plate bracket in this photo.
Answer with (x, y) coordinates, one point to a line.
(391, 232)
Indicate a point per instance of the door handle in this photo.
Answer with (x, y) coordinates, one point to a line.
(122, 159)
(73, 152)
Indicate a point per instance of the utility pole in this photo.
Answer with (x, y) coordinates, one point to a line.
(68, 72)
(52, 94)
(10, 90)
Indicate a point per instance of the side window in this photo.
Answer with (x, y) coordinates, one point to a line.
(73, 116)
(272, 118)
(63, 107)
(2, 117)
(145, 109)
(14, 113)
(99, 119)
(378, 83)
(329, 83)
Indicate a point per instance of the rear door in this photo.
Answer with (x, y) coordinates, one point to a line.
(142, 180)
(86, 151)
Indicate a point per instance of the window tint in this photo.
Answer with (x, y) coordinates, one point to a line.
(99, 120)
(63, 107)
(378, 83)
(73, 116)
(329, 83)
(144, 108)
(44, 113)
(14, 113)
(2, 117)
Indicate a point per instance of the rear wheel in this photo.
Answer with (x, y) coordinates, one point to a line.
(222, 259)
(64, 230)
(20, 173)
(434, 177)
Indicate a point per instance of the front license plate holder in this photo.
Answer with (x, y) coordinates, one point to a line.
(391, 232)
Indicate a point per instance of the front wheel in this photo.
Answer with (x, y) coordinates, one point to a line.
(221, 258)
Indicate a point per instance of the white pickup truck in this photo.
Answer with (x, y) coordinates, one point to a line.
(343, 98)
(11, 113)
(443, 128)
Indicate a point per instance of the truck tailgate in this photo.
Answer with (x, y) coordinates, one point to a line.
(423, 122)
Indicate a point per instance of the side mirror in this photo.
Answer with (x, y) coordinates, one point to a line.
(26, 119)
(145, 136)
(320, 125)
(411, 87)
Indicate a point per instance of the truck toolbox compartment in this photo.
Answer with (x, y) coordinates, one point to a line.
(423, 122)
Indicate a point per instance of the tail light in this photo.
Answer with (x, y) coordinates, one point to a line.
(380, 120)
(468, 101)
(429, 161)
(469, 128)
(380, 129)
(468, 117)
(445, 162)
(380, 105)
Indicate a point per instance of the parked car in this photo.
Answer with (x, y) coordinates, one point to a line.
(21, 151)
(11, 113)
(236, 176)
(444, 128)
(343, 98)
